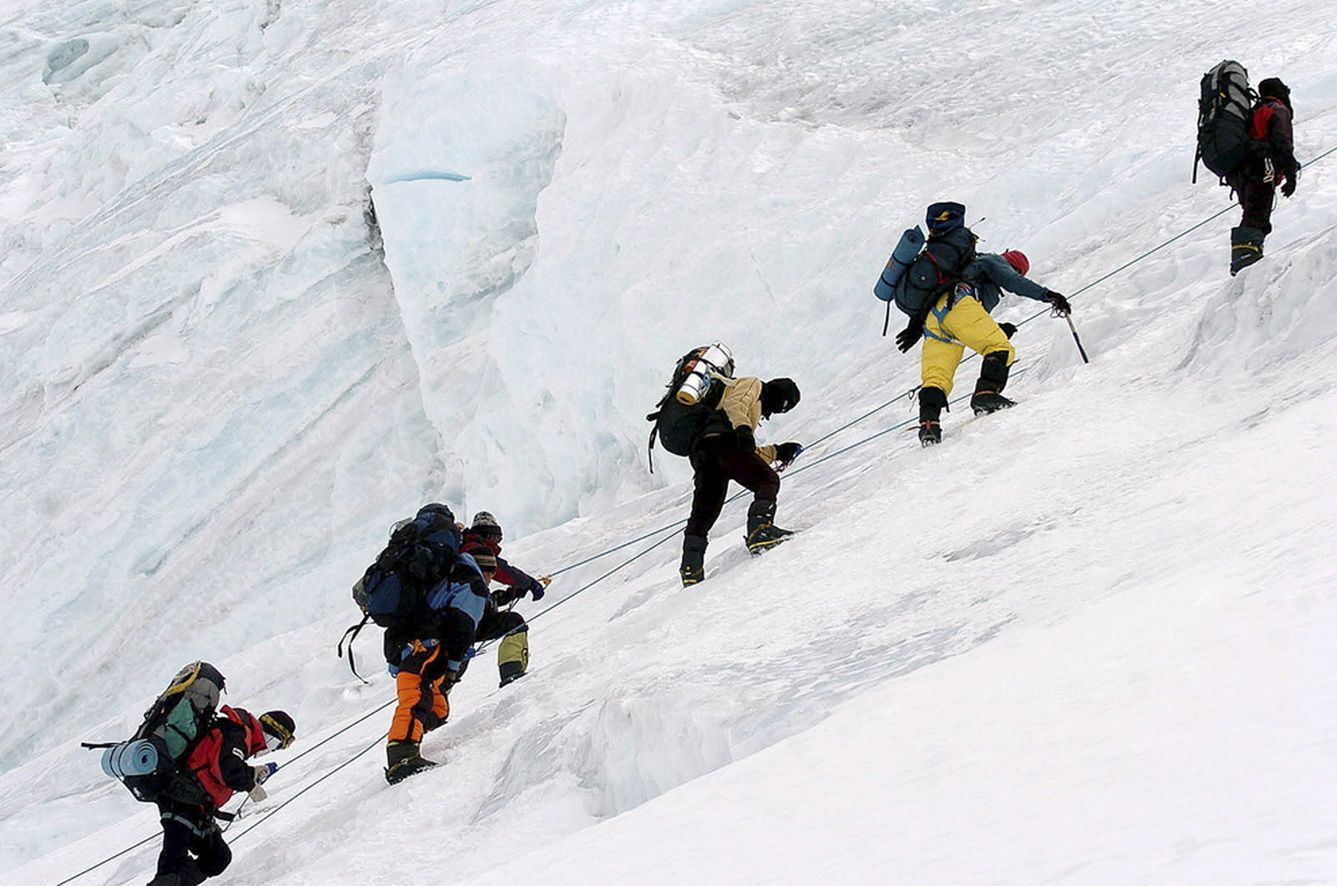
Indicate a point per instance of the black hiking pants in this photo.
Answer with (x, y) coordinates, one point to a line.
(496, 623)
(1256, 199)
(716, 460)
(186, 832)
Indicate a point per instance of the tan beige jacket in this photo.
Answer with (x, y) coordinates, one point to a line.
(741, 403)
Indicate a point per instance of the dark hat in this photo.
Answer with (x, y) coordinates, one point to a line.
(943, 217)
(1272, 87)
(778, 395)
(279, 725)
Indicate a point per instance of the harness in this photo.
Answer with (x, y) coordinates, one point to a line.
(959, 291)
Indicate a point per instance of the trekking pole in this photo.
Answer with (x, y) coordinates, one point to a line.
(1081, 350)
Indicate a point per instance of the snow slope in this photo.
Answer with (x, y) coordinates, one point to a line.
(1084, 641)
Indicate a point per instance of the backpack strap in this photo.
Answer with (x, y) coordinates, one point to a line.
(350, 635)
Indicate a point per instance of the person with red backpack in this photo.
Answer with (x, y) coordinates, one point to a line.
(961, 319)
(193, 848)
(484, 536)
(1271, 160)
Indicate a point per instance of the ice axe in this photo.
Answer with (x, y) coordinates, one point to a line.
(1081, 350)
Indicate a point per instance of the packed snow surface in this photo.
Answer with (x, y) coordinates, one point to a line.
(272, 274)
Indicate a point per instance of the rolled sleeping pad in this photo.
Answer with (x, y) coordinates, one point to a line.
(905, 252)
(130, 758)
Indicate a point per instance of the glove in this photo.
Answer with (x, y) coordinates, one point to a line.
(1059, 304)
(264, 770)
(907, 337)
(746, 440)
(787, 452)
(537, 590)
(258, 794)
(1009, 329)
(1289, 188)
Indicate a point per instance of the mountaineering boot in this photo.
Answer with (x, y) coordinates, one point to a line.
(1246, 247)
(404, 760)
(762, 534)
(988, 395)
(693, 568)
(187, 873)
(932, 401)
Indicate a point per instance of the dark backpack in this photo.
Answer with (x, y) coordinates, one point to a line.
(149, 763)
(393, 591)
(938, 267)
(1225, 110)
(678, 425)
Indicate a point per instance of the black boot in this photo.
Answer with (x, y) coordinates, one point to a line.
(932, 401)
(187, 874)
(404, 759)
(1246, 247)
(762, 534)
(989, 389)
(693, 567)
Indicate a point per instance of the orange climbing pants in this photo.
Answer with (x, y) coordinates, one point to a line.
(422, 703)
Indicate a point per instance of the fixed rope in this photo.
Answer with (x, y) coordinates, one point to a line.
(671, 529)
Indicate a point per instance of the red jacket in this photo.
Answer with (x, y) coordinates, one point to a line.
(218, 761)
(1271, 126)
(518, 583)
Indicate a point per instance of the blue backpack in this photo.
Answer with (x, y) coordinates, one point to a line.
(938, 267)
(393, 591)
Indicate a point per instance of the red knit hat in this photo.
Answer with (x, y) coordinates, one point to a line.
(1018, 260)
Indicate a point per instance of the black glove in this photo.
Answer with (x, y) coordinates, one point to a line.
(1289, 188)
(1009, 329)
(745, 440)
(912, 333)
(787, 452)
(1059, 304)
(537, 589)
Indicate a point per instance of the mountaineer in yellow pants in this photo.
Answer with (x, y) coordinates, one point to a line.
(959, 320)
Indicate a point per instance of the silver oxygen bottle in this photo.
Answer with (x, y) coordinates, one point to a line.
(716, 359)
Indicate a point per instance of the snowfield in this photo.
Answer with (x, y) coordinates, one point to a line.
(272, 274)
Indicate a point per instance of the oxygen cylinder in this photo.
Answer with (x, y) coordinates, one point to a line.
(905, 252)
(709, 361)
(130, 758)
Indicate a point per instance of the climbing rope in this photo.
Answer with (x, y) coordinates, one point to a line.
(670, 532)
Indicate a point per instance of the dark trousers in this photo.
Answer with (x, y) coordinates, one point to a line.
(496, 623)
(717, 461)
(1256, 198)
(186, 833)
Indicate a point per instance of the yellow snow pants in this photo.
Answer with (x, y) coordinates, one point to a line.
(949, 331)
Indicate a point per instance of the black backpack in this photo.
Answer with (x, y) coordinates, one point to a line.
(938, 267)
(150, 763)
(393, 590)
(677, 425)
(1225, 110)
